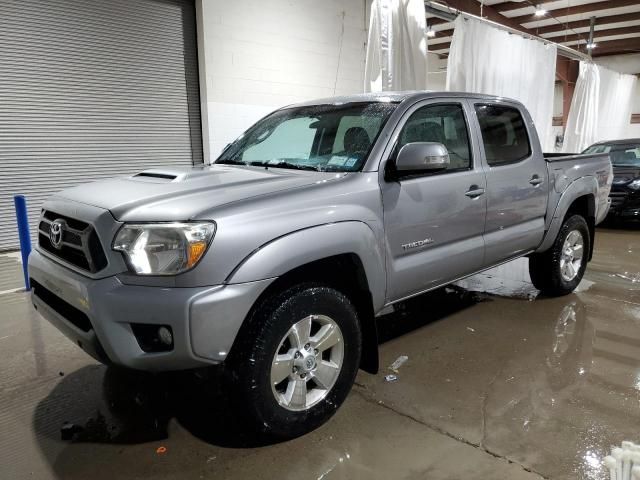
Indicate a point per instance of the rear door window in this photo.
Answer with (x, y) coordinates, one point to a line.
(504, 134)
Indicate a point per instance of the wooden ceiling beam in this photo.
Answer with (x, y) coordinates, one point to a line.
(558, 29)
(509, 6)
(616, 47)
(473, 7)
(432, 47)
(577, 9)
(433, 21)
(611, 47)
(600, 34)
(445, 33)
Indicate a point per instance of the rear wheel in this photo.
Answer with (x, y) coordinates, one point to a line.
(296, 362)
(559, 270)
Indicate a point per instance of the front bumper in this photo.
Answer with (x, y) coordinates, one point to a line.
(97, 315)
(625, 203)
(630, 213)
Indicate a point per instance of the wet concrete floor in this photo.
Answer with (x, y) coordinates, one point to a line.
(499, 384)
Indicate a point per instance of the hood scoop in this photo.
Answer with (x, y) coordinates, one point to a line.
(156, 175)
(173, 175)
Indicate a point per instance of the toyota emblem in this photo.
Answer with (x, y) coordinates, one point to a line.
(56, 231)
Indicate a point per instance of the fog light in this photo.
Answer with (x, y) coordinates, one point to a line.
(153, 338)
(165, 336)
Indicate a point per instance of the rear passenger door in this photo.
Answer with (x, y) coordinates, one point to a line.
(517, 189)
(434, 222)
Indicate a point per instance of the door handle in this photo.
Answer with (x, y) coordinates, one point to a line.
(474, 191)
(535, 180)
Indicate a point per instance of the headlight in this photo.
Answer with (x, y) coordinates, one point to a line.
(635, 185)
(163, 248)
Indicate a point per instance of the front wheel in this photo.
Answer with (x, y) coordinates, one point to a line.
(559, 270)
(295, 363)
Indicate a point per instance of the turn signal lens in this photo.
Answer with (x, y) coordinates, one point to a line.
(196, 250)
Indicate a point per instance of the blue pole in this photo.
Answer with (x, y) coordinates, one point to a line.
(25, 239)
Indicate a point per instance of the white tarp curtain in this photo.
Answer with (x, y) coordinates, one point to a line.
(582, 123)
(616, 98)
(397, 46)
(600, 108)
(486, 59)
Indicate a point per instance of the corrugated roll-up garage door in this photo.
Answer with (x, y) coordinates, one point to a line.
(92, 89)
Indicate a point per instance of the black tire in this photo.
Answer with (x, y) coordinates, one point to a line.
(545, 268)
(251, 359)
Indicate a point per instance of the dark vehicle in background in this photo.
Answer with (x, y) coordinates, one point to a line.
(625, 190)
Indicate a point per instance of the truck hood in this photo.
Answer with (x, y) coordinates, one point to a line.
(183, 193)
(624, 175)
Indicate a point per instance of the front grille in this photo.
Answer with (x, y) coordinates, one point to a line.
(79, 244)
(617, 199)
(66, 310)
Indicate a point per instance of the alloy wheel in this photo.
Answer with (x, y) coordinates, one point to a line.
(572, 254)
(307, 362)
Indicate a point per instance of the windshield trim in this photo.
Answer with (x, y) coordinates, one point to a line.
(617, 147)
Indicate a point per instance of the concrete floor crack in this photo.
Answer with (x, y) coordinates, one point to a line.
(483, 416)
(370, 399)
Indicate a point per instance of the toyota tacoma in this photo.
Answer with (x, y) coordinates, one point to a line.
(276, 259)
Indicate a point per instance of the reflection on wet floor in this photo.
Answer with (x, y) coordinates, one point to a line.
(499, 383)
(509, 280)
(10, 272)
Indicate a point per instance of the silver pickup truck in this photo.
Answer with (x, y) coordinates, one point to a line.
(276, 260)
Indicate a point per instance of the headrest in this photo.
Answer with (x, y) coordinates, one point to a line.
(356, 139)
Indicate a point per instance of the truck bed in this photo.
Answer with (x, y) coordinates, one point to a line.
(565, 157)
(564, 169)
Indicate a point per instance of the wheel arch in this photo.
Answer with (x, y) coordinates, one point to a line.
(578, 198)
(342, 255)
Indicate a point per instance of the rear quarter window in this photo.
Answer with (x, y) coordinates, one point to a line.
(504, 134)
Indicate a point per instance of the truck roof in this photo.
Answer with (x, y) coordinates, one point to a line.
(397, 97)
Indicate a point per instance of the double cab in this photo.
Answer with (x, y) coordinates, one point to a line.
(276, 259)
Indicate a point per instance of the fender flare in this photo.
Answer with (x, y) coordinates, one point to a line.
(578, 188)
(283, 254)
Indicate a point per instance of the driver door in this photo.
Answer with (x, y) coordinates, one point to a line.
(434, 222)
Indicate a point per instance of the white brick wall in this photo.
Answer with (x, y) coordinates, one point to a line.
(257, 55)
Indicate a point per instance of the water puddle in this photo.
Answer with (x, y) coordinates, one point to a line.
(630, 277)
(508, 280)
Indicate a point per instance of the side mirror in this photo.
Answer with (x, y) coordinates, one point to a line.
(422, 157)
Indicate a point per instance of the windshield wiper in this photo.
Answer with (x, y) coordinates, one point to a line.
(296, 166)
(284, 164)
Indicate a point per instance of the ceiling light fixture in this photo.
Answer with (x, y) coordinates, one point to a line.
(591, 46)
(431, 32)
(540, 12)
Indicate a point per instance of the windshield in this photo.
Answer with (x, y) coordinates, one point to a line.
(335, 138)
(621, 155)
